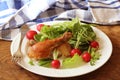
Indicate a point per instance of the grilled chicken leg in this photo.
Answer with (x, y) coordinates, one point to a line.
(43, 49)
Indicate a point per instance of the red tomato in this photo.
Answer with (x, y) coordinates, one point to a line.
(75, 51)
(30, 34)
(86, 56)
(94, 44)
(39, 26)
(55, 64)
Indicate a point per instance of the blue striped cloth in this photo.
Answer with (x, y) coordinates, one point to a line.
(14, 13)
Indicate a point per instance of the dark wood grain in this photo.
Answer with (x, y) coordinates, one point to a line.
(109, 71)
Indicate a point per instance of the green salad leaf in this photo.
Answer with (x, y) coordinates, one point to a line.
(31, 62)
(82, 33)
(72, 62)
(95, 56)
(44, 62)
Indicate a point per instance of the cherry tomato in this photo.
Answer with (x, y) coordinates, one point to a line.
(86, 56)
(39, 26)
(75, 51)
(30, 34)
(55, 64)
(94, 44)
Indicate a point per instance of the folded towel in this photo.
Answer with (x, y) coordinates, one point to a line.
(14, 13)
(105, 12)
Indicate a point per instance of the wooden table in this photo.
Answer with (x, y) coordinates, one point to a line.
(109, 71)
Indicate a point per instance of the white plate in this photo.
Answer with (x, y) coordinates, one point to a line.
(106, 51)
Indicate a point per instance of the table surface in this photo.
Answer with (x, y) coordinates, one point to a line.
(109, 71)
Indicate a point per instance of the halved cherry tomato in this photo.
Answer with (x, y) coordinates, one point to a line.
(94, 44)
(55, 64)
(39, 26)
(75, 51)
(86, 56)
(30, 34)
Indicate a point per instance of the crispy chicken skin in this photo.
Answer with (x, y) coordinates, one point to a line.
(64, 49)
(43, 49)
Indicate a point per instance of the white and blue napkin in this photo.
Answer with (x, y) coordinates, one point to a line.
(14, 13)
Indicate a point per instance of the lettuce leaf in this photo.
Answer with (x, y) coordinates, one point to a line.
(82, 33)
(44, 62)
(75, 61)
